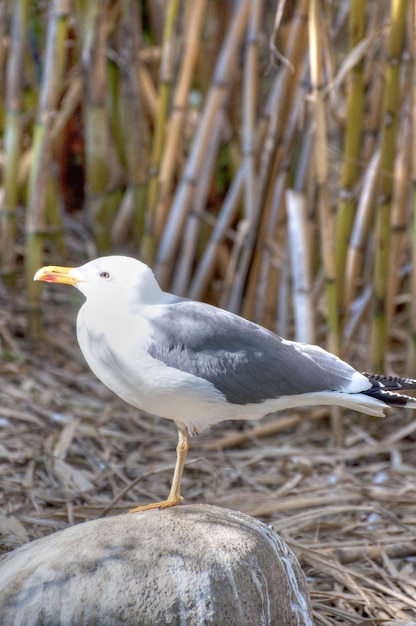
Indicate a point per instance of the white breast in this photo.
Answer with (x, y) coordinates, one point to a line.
(116, 351)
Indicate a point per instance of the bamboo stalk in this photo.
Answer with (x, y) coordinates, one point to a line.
(326, 217)
(298, 244)
(271, 132)
(391, 105)
(361, 229)
(100, 206)
(165, 88)
(411, 353)
(249, 109)
(180, 108)
(265, 311)
(214, 104)
(13, 131)
(398, 248)
(206, 265)
(252, 198)
(39, 182)
(5, 21)
(192, 232)
(133, 133)
(352, 144)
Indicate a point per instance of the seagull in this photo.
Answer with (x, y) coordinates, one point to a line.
(197, 364)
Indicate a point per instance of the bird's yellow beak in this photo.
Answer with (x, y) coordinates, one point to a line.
(56, 274)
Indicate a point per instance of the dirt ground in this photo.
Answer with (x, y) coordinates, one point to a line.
(71, 451)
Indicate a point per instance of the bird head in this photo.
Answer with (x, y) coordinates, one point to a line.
(108, 279)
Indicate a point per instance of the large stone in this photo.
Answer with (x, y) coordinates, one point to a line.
(189, 565)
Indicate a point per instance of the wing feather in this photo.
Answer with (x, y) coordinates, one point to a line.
(247, 363)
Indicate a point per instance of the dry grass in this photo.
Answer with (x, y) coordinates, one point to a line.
(70, 451)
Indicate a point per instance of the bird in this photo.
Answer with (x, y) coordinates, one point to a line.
(197, 364)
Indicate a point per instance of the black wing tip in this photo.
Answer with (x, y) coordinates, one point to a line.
(391, 398)
(390, 383)
(386, 388)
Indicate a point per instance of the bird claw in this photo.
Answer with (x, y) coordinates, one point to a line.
(164, 504)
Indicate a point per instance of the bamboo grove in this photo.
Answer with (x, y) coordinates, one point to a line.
(258, 154)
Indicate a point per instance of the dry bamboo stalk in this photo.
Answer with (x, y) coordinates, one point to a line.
(180, 107)
(350, 554)
(326, 217)
(352, 145)
(283, 422)
(215, 102)
(252, 199)
(298, 243)
(192, 233)
(166, 78)
(39, 182)
(269, 142)
(264, 309)
(361, 228)
(399, 237)
(206, 266)
(271, 255)
(70, 101)
(13, 135)
(265, 296)
(147, 89)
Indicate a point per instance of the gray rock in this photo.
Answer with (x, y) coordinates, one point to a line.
(188, 566)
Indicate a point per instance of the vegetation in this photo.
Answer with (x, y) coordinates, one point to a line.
(256, 154)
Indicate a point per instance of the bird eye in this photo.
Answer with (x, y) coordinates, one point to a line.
(105, 275)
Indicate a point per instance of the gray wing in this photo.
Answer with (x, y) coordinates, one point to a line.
(244, 361)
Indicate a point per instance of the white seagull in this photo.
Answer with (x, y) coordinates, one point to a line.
(197, 364)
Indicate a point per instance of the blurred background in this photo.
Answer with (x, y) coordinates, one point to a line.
(259, 155)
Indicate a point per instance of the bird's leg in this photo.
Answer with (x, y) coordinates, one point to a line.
(174, 497)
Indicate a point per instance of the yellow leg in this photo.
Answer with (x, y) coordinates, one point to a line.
(174, 497)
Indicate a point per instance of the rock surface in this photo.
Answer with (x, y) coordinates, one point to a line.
(189, 565)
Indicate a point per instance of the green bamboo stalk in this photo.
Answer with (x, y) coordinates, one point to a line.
(41, 209)
(411, 352)
(5, 9)
(13, 136)
(395, 46)
(352, 144)
(93, 17)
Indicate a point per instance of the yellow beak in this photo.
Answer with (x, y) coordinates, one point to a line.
(56, 274)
